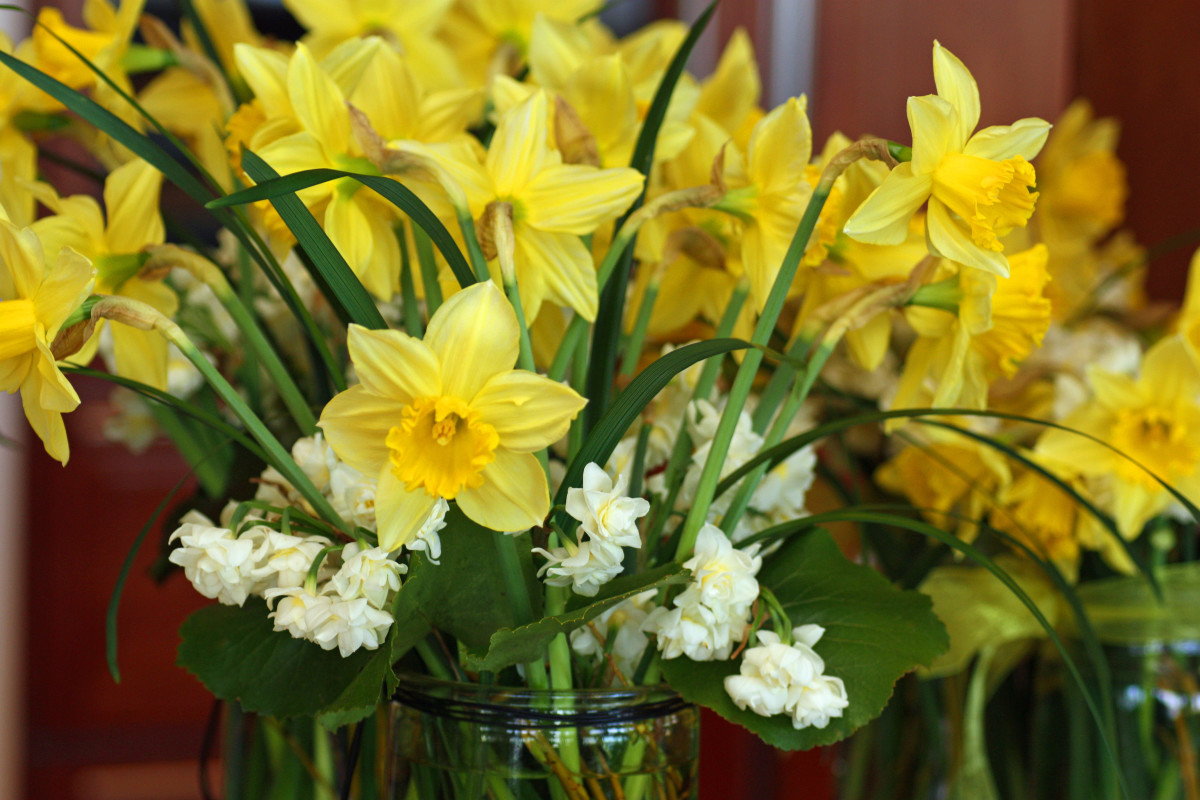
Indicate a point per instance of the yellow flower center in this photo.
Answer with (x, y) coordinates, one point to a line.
(441, 446)
(992, 197)
(18, 328)
(1158, 439)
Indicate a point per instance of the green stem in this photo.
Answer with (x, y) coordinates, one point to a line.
(744, 381)
(576, 332)
(522, 602)
(633, 345)
(323, 762)
(429, 270)
(408, 290)
(474, 251)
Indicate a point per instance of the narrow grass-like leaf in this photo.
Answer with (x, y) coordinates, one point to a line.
(393, 191)
(607, 335)
(970, 552)
(345, 288)
(621, 414)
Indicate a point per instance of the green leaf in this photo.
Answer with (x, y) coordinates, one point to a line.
(238, 657)
(345, 289)
(391, 190)
(528, 642)
(607, 433)
(364, 694)
(609, 318)
(465, 595)
(874, 634)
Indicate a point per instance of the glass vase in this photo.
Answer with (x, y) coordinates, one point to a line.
(465, 740)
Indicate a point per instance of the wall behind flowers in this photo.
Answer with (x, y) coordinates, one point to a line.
(88, 738)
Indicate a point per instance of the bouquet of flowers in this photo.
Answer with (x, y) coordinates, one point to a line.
(514, 363)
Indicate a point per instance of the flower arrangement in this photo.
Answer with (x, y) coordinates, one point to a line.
(517, 355)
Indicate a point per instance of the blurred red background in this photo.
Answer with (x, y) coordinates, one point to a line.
(88, 738)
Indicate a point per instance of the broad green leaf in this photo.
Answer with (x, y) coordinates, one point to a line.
(607, 433)
(874, 634)
(607, 334)
(237, 656)
(364, 694)
(346, 291)
(391, 190)
(528, 642)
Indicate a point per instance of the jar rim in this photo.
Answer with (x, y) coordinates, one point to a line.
(541, 708)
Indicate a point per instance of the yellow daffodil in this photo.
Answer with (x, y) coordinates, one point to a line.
(118, 250)
(948, 474)
(103, 42)
(996, 323)
(553, 204)
(1154, 419)
(729, 97)
(770, 195)
(978, 186)
(1045, 518)
(35, 299)
(227, 23)
(408, 25)
(448, 417)
(18, 155)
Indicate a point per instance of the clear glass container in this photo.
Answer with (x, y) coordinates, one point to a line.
(466, 740)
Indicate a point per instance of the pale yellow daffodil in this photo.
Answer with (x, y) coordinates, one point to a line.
(36, 297)
(979, 185)
(18, 155)
(449, 418)
(553, 205)
(117, 247)
(1154, 419)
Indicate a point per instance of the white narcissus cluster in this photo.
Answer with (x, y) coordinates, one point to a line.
(624, 622)
(777, 678)
(712, 613)
(608, 520)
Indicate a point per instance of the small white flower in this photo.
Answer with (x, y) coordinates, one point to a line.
(316, 459)
(367, 573)
(298, 611)
(350, 625)
(352, 495)
(286, 559)
(584, 567)
(692, 630)
(219, 564)
(775, 678)
(427, 538)
(603, 510)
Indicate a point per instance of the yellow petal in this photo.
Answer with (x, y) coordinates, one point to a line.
(514, 495)
(394, 365)
(21, 262)
(318, 102)
(474, 335)
(131, 196)
(574, 198)
(399, 513)
(1134, 504)
(780, 147)
(1023, 138)
(356, 424)
(48, 425)
(347, 62)
(265, 71)
(949, 239)
(67, 285)
(733, 90)
(362, 232)
(529, 412)
(518, 150)
(557, 49)
(299, 151)
(1113, 390)
(388, 93)
(932, 121)
(1169, 374)
(140, 355)
(956, 85)
(883, 217)
(565, 269)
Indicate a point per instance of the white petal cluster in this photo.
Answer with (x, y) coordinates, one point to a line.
(776, 678)
(284, 559)
(367, 573)
(329, 620)
(710, 615)
(427, 538)
(608, 522)
(623, 624)
(351, 494)
(220, 565)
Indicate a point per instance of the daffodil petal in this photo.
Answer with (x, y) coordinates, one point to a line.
(399, 513)
(1134, 505)
(1023, 138)
(529, 412)
(948, 240)
(474, 335)
(388, 93)
(518, 149)
(1168, 368)
(318, 102)
(265, 71)
(556, 50)
(734, 88)
(297, 152)
(577, 199)
(362, 232)
(780, 147)
(932, 121)
(356, 424)
(565, 267)
(131, 197)
(514, 495)
(21, 262)
(47, 424)
(957, 86)
(140, 355)
(884, 216)
(1114, 390)
(393, 364)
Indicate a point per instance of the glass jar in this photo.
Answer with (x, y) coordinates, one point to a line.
(466, 740)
